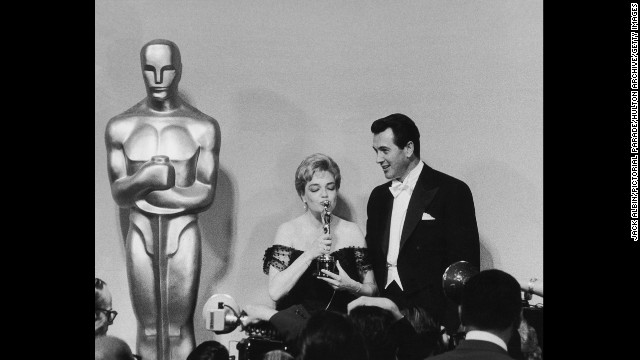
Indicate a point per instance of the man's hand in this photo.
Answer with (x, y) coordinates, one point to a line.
(256, 313)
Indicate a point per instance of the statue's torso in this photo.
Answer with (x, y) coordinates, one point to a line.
(164, 136)
(189, 138)
(177, 138)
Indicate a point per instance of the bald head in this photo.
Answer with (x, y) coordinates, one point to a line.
(102, 294)
(161, 68)
(102, 303)
(112, 348)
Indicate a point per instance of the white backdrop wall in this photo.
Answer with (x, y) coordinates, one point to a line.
(289, 78)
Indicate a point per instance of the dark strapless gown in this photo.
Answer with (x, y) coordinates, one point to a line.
(310, 292)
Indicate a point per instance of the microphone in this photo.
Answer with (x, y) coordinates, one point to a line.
(221, 314)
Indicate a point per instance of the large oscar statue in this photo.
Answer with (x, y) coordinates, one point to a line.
(163, 164)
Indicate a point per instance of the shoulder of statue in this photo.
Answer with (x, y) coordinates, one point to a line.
(193, 112)
(204, 127)
(120, 125)
(141, 108)
(137, 110)
(205, 121)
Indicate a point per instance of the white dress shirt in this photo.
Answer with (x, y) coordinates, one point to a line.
(402, 192)
(486, 336)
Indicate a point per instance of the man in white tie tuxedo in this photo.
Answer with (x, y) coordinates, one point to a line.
(418, 223)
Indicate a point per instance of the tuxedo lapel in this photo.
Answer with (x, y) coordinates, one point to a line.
(422, 195)
(387, 206)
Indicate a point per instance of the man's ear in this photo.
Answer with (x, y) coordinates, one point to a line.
(460, 313)
(408, 149)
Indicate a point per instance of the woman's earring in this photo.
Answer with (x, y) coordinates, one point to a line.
(305, 206)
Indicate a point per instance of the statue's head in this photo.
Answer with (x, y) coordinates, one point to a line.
(161, 68)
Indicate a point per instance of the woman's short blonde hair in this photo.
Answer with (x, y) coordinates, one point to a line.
(310, 165)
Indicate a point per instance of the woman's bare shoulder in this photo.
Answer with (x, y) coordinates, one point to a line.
(286, 232)
(351, 234)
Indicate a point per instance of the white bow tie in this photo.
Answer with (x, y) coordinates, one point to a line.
(397, 187)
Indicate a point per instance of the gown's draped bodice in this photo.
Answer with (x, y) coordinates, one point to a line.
(313, 293)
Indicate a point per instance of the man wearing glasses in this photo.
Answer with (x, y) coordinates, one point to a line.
(104, 314)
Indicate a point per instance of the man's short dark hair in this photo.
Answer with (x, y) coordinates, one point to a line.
(491, 301)
(374, 324)
(404, 130)
(427, 328)
(331, 335)
(209, 350)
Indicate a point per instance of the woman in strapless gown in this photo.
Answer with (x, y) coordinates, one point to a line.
(291, 261)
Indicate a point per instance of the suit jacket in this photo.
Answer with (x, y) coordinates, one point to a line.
(427, 247)
(474, 350)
